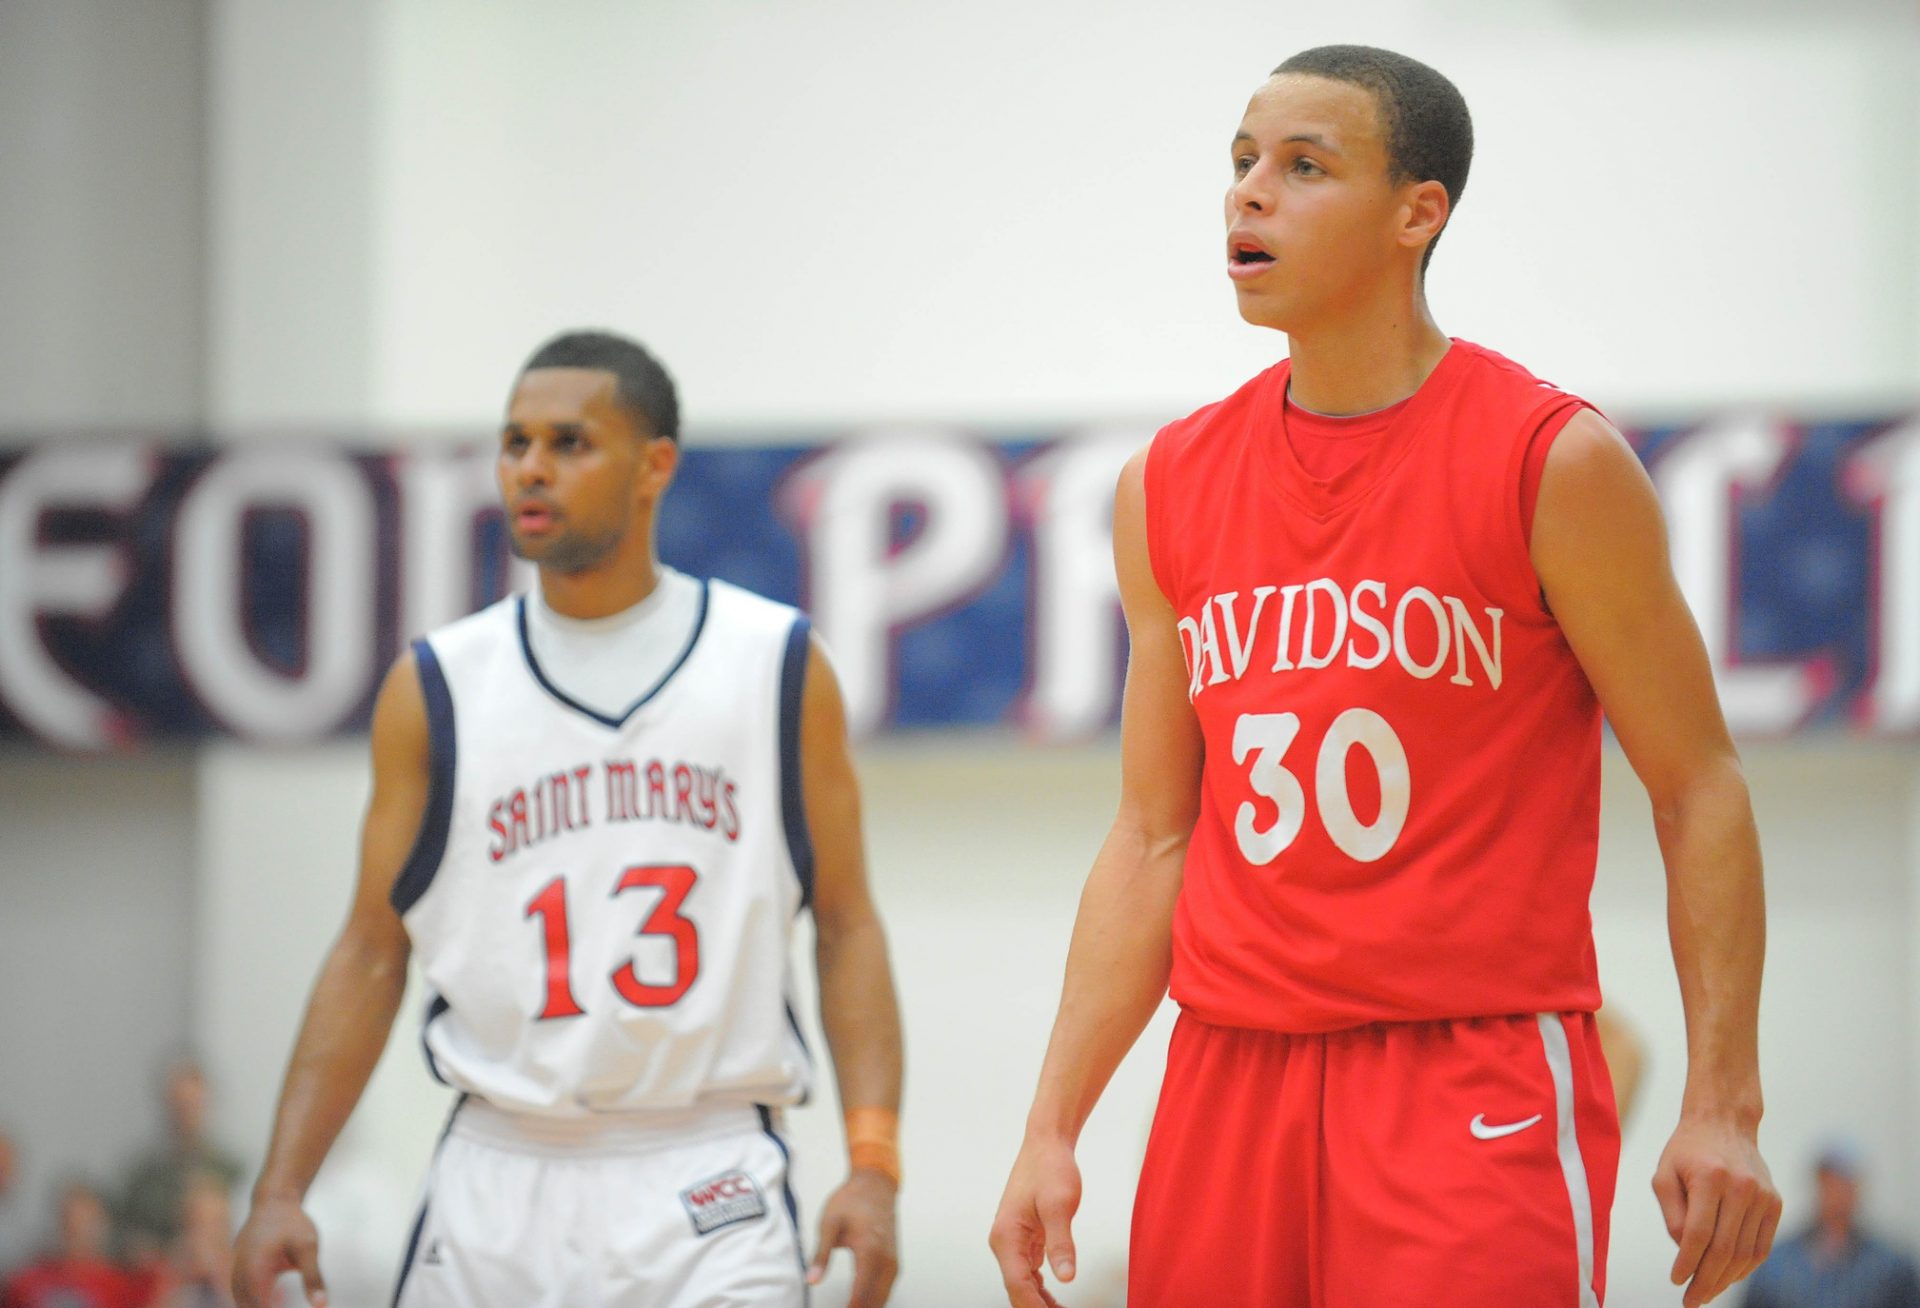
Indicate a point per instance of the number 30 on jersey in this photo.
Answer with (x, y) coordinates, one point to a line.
(1269, 736)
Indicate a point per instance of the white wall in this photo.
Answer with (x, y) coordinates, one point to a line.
(289, 216)
(1009, 211)
(101, 216)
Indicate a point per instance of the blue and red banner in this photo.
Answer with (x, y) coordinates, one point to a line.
(260, 590)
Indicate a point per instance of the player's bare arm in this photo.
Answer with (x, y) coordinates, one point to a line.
(858, 1008)
(350, 1012)
(1599, 546)
(1122, 949)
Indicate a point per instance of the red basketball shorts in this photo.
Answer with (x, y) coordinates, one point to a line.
(1468, 1164)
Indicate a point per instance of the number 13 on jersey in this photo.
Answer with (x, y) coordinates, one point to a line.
(1269, 736)
(674, 884)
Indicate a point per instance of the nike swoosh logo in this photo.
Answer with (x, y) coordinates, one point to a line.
(1481, 1131)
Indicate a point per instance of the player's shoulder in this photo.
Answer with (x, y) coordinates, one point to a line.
(497, 621)
(749, 609)
(1490, 370)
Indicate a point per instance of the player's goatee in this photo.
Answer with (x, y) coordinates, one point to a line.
(569, 552)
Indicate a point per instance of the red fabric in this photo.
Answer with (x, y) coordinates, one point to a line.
(1328, 446)
(1342, 1171)
(1308, 904)
(52, 1283)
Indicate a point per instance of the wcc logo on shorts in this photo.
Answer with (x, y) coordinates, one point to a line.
(723, 1200)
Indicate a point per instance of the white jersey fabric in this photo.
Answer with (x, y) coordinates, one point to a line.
(601, 903)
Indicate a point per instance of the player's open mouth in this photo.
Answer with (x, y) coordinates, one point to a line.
(1246, 259)
(533, 517)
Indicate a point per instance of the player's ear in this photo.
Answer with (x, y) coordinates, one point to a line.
(1424, 214)
(659, 460)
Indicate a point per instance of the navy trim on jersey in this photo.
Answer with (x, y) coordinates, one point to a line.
(431, 843)
(533, 664)
(793, 676)
(420, 1222)
(793, 1020)
(786, 1181)
(435, 1006)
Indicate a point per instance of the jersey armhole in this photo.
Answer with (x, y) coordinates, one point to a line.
(793, 812)
(430, 844)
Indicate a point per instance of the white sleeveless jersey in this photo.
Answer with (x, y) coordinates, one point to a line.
(601, 906)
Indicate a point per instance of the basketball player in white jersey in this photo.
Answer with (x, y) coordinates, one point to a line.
(596, 811)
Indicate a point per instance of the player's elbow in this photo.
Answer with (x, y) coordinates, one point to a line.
(839, 922)
(1143, 854)
(1151, 832)
(374, 953)
(1712, 789)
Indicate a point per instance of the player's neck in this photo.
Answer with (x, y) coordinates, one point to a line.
(620, 582)
(1365, 361)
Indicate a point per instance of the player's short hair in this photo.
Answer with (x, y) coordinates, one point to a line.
(641, 384)
(1429, 132)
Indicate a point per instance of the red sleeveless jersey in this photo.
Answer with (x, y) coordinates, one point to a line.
(1401, 793)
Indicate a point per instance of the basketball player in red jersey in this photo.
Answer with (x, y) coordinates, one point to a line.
(1379, 598)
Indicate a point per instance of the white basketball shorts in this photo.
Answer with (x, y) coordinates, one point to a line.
(658, 1210)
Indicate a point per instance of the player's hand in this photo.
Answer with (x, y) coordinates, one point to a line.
(859, 1216)
(1034, 1227)
(1720, 1205)
(277, 1238)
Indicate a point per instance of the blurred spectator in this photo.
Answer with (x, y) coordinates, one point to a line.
(151, 1205)
(199, 1268)
(1835, 1264)
(12, 1244)
(78, 1273)
(1626, 1057)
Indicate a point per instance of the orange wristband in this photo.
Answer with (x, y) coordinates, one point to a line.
(873, 1141)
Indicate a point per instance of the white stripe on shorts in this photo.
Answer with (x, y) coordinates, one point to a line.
(1553, 1035)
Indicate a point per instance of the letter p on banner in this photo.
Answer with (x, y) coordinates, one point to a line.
(864, 585)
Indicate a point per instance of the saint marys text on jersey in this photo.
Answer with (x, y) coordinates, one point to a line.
(654, 791)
